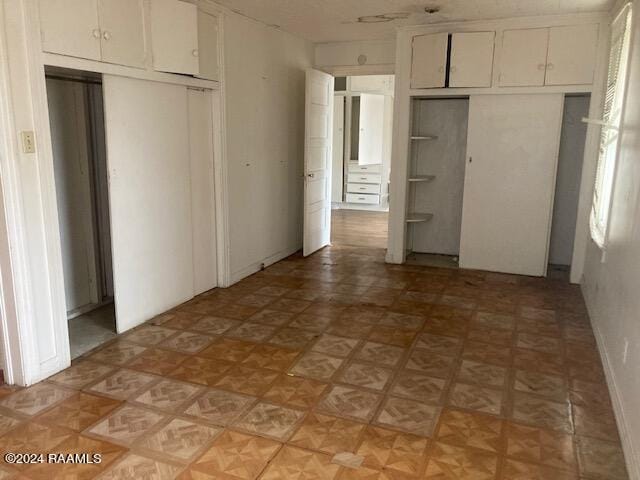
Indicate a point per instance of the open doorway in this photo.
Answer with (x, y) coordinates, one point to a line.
(79, 154)
(362, 131)
(568, 177)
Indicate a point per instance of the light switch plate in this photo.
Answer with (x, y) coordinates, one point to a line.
(28, 141)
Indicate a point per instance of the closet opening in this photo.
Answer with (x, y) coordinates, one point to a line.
(76, 116)
(362, 130)
(436, 180)
(567, 188)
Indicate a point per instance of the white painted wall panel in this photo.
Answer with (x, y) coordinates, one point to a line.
(264, 96)
(611, 286)
(148, 159)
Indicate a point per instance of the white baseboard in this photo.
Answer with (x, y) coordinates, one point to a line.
(632, 455)
(257, 266)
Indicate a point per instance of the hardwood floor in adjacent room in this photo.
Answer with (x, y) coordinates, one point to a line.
(359, 228)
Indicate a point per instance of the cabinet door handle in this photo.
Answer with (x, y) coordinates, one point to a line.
(96, 33)
(194, 52)
(550, 66)
(541, 66)
(453, 69)
(441, 70)
(311, 175)
(106, 35)
(470, 159)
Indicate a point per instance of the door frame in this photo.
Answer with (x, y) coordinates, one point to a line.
(30, 253)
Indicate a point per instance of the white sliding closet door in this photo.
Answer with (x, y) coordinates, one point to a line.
(202, 190)
(512, 154)
(150, 195)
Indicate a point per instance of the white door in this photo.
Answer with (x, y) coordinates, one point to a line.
(317, 160)
(524, 57)
(147, 136)
(572, 55)
(174, 36)
(122, 27)
(337, 170)
(512, 154)
(371, 132)
(429, 59)
(471, 59)
(202, 190)
(70, 27)
(208, 46)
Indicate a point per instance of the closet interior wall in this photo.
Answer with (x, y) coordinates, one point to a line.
(436, 173)
(79, 155)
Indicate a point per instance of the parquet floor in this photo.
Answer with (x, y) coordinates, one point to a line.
(336, 367)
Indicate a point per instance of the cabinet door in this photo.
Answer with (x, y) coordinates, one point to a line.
(208, 46)
(572, 55)
(524, 57)
(70, 27)
(429, 60)
(471, 59)
(122, 27)
(174, 36)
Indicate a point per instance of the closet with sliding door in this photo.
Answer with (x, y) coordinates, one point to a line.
(488, 170)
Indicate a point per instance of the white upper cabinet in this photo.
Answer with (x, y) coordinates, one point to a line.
(174, 36)
(70, 27)
(429, 60)
(549, 56)
(572, 55)
(107, 30)
(208, 46)
(524, 57)
(121, 22)
(471, 62)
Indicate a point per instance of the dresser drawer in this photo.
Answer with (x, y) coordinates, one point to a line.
(355, 168)
(364, 178)
(363, 188)
(363, 198)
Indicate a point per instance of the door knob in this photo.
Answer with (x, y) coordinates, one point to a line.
(96, 33)
(106, 35)
(311, 175)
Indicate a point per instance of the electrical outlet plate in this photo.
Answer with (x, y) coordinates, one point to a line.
(28, 141)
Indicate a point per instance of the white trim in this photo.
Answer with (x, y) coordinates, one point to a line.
(221, 171)
(257, 266)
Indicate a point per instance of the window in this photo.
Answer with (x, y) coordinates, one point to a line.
(612, 116)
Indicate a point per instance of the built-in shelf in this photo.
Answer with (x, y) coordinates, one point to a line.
(424, 137)
(419, 217)
(421, 178)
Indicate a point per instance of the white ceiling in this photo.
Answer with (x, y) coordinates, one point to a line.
(336, 20)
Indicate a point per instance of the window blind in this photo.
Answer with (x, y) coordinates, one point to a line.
(610, 133)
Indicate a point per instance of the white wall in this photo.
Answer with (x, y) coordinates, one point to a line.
(565, 203)
(611, 287)
(342, 57)
(264, 72)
